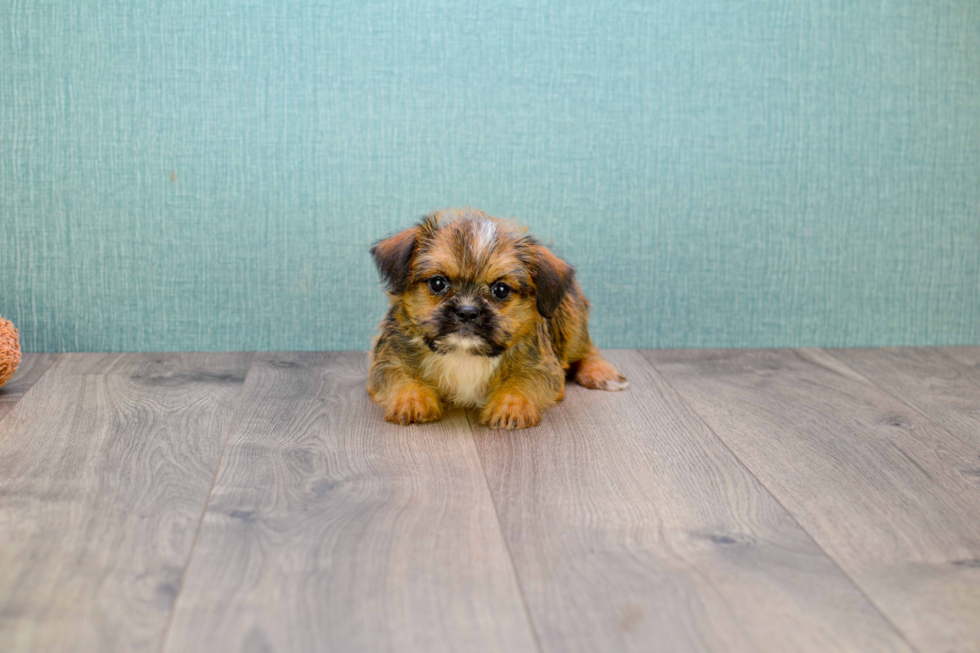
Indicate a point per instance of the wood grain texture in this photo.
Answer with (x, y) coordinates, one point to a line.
(968, 356)
(329, 529)
(892, 497)
(31, 368)
(633, 528)
(927, 379)
(105, 468)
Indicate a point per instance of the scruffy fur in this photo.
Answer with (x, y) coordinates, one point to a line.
(509, 356)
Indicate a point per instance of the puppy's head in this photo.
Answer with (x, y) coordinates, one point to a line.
(470, 282)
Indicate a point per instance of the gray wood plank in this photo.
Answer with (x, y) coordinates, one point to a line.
(968, 356)
(105, 468)
(926, 379)
(329, 529)
(891, 496)
(31, 368)
(633, 528)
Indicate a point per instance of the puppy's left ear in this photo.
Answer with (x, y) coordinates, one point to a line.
(393, 257)
(554, 278)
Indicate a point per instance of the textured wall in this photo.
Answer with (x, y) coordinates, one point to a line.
(192, 175)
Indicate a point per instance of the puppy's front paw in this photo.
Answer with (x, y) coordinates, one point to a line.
(510, 411)
(414, 404)
(595, 372)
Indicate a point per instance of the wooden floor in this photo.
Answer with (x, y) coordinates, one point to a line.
(729, 500)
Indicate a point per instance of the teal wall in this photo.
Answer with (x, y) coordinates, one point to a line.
(210, 175)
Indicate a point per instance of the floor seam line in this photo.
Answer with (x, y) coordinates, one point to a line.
(796, 521)
(204, 510)
(905, 403)
(503, 538)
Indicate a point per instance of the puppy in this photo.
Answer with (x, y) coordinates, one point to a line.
(481, 316)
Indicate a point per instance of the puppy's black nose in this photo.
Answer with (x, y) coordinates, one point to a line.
(467, 313)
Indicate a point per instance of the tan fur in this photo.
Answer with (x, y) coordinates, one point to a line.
(424, 360)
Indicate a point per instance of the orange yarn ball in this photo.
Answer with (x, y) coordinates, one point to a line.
(9, 351)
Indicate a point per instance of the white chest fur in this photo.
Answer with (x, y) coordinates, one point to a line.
(460, 376)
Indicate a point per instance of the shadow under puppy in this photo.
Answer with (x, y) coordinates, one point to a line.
(481, 316)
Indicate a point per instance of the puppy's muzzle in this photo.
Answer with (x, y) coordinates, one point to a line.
(467, 313)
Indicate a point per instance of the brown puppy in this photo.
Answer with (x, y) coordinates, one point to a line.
(481, 316)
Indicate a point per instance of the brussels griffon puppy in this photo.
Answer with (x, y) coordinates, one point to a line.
(481, 316)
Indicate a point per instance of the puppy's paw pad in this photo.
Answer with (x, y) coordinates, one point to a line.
(413, 406)
(510, 412)
(598, 374)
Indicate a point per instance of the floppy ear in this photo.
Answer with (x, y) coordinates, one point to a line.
(393, 257)
(554, 278)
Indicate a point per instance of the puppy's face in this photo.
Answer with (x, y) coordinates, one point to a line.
(467, 281)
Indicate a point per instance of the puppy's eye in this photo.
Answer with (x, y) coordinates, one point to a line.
(438, 285)
(501, 290)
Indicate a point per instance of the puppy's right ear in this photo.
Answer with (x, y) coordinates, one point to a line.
(393, 257)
